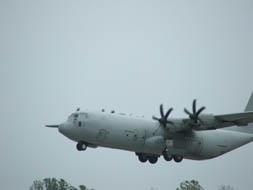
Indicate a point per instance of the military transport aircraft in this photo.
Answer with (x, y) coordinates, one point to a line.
(197, 137)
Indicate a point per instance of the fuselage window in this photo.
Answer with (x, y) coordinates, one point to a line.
(79, 123)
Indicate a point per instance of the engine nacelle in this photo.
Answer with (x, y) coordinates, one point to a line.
(208, 122)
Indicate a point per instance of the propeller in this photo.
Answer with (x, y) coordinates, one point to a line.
(164, 118)
(194, 116)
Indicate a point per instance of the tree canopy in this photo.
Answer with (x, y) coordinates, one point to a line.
(54, 184)
(61, 184)
(190, 185)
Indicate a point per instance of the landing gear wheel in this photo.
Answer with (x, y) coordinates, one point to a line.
(152, 160)
(142, 158)
(84, 146)
(178, 158)
(81, 146)
(167, 157)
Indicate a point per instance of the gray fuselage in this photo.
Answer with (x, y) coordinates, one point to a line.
(139, 135)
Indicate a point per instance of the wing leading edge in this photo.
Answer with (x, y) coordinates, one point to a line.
(212, 122)
(239, 119)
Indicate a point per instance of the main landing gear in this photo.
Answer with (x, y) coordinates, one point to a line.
(167, 157)
(176, 158)
(81, 146)
(144, 158)
(153, 158)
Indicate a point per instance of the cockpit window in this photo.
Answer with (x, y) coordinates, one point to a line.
(78, 116)
(74, 115)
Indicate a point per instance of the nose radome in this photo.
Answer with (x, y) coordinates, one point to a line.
(62, 128)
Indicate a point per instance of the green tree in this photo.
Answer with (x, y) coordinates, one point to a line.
(54, 184)
(37, 185)
(63, 184)
(82, 187)
(51, 184)
(190, 185)
(226, 187)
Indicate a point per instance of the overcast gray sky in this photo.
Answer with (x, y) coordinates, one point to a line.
(57, 55)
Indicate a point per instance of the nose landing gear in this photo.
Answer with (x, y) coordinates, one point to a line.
(80, 146)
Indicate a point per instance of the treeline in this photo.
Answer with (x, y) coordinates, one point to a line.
(61, 184)
(194, 185)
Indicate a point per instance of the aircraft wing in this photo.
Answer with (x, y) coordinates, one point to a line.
(240, 119)
(211, 122)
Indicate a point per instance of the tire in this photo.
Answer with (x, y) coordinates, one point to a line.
(167, 157)
(81, 146)
(84, 146)
(178, 158)
(152, 160)
(142, 158)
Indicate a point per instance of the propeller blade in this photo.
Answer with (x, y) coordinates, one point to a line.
(194, 116)
(168, 113)
(200, 110)
(194, 106)
(155, 118)
(161, 111)
(164, 118)
(187, 112)
(52, 126)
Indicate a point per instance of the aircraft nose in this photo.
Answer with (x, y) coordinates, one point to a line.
(62, 128)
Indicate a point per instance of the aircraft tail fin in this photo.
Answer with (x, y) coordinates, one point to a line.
(249, 106)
